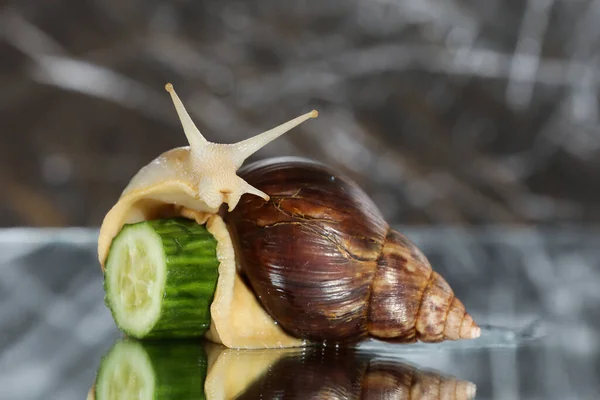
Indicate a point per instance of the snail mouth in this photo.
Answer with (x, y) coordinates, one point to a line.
(225, 195)
(229, 197)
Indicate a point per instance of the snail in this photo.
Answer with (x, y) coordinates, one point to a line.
(304, 255)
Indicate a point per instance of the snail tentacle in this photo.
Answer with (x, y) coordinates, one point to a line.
(246, 148)
(194, 137)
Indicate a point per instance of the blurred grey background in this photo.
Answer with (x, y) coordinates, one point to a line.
(461, 112)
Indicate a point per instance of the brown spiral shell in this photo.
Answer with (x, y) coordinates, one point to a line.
(327, 267)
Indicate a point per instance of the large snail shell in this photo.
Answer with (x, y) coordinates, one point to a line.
(325, 264)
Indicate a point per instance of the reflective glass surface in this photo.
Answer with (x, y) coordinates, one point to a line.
(534, 293)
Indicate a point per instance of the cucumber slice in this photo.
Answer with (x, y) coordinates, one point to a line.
(153, 370)
(160, 279)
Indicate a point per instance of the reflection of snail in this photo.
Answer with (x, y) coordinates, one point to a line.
(188, 371)
(316, 260)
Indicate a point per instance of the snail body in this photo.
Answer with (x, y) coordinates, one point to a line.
(304, 254)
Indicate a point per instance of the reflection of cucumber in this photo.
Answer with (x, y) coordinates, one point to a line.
(160, 278)
(153, 370)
